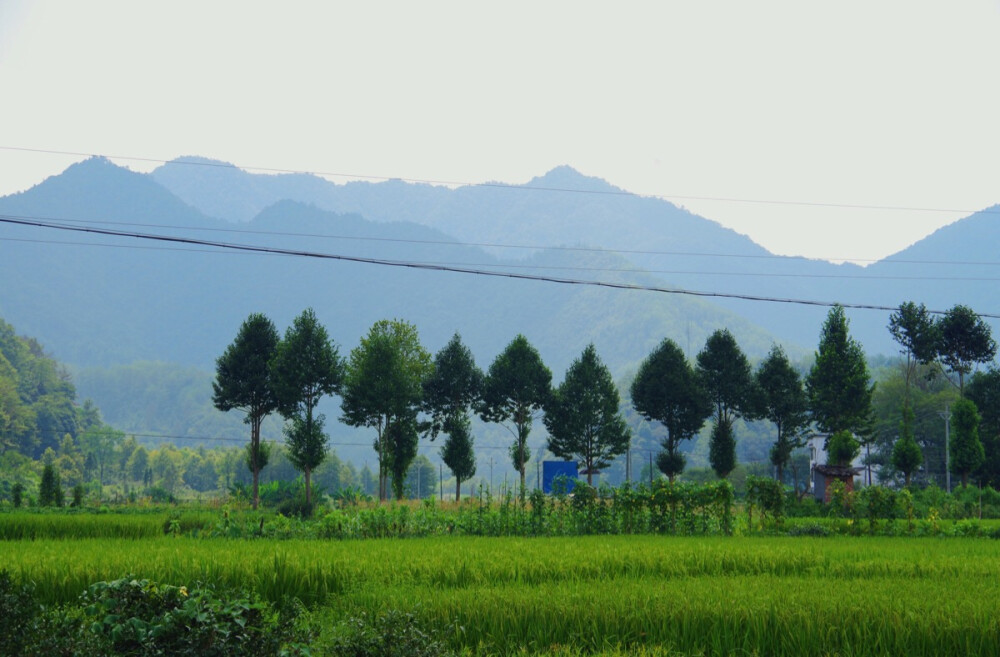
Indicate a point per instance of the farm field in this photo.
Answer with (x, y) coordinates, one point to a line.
(590, 594)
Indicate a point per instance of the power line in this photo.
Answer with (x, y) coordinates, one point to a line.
(461, 183)
(166, 436)
(500, 245)
(448, 268)
(515, 266)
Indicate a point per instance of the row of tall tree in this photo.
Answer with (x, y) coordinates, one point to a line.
(391, 384)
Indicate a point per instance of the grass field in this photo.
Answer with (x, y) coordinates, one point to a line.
(644, 594)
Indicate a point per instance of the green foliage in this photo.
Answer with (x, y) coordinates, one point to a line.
(670, 463)
(725, 375)
(383, 389)
(842, 448)
(390, 633)
(243, 381)
(839, 385)
(768, 496)
(906, 453)
(876, 503)
(450, 392)
(306, 367)
(722, 448)
(984, 391)
(77, 496)
(17, 495)
(967, 453)
(139, 617)
(782, 400)
(454, 386)
(666, 390)
(966, 339)
(583, 418)
(458, 453)
(306, 445)
(50, 489)
(36, 396)
(18, 613)
(916, 332)
(517, 386)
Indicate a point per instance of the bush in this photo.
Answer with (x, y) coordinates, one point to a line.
(842, 448)
(390, 634)
(139, 617)
(809, 530)
(296, 507)
(18, 614)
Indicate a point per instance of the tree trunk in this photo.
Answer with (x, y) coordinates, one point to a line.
(907, 484)
(254, 452)
(458, 489)
(308, 472)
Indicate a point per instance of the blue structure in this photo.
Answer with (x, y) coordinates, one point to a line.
(553, 469)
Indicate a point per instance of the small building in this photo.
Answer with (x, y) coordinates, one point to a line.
(822, 474)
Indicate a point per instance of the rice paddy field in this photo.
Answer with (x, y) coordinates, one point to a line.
(615, 595)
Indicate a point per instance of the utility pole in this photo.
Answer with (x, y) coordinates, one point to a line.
(947, 451)
(491, 475)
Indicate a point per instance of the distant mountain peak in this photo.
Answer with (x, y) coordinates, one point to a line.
(198, 160)
(566, 177)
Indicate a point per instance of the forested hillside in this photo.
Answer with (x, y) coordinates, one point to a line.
(37, 399)
(566, 208)
(102, 301)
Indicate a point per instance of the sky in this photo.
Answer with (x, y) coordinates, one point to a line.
(777, 119)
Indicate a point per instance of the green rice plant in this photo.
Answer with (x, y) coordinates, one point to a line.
(590, 594)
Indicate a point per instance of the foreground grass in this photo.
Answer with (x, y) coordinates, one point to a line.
(614, 595)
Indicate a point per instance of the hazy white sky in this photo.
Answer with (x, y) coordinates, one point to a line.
(857, 103)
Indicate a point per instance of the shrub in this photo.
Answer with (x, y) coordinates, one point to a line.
(139, 617)
(390, 634)
(842, 448)
(812, 529)
(18, 613)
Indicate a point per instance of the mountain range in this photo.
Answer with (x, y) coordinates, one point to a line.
(105, 301)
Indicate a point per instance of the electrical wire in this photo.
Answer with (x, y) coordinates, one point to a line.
(515, 266)
(454, 269)
(498, 245)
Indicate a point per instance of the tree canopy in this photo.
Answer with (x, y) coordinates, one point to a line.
(583, 416)
(967, 453)
(667, 390)
(383, 389)
(306, 366)
(965, 340)
(453, 388)
(782, 400)
(725, 375)
(243, 382)
(516, 389)
(839, 384)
